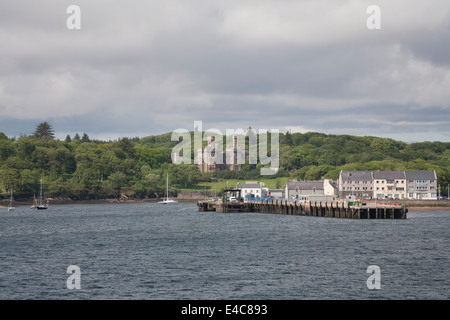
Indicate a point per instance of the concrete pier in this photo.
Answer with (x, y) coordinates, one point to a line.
(333, 209)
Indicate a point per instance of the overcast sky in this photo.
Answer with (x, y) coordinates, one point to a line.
(138, 68)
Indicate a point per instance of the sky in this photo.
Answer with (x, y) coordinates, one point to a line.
(138, 68)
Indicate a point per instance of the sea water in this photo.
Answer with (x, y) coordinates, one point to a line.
(154, 251)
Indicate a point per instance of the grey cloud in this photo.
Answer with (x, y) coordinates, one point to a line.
(148, 67)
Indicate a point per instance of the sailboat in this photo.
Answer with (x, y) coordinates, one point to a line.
(11, 208)
(167, 201)
(38, 204)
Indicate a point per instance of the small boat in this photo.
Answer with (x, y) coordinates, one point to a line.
(38, 204)
(11, 207)
(167, 201)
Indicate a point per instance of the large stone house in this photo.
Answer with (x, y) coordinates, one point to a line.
(230, 159)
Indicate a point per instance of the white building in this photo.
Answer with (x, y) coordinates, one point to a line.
(389, 185)
(421, 185)
(253, 189)
(355, 184)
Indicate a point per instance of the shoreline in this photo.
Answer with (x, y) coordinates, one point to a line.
(412, 205)
(427, 208)
(4, 204)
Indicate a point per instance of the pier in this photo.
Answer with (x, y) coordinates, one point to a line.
(334, 209)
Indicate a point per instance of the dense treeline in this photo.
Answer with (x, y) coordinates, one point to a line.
(81, 168)
(313, 156)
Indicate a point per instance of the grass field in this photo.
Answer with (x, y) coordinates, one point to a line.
(277, 183)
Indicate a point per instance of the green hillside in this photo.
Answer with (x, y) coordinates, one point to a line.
(81, 168)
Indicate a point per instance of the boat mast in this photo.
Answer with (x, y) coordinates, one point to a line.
(167, 187)
(40, 194)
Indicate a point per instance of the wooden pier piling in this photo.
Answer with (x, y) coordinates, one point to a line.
(335, 209)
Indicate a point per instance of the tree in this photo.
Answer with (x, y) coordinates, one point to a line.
(118, 180)
(85, 138)
(126, 146)
(288, 138)
(68, 139)
(6, 149)
(9, 178)
(76, 137)
(44, 131)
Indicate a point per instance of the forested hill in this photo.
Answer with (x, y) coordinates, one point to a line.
(81, 168)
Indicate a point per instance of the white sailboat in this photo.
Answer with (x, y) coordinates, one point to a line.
(167, 201)
(11, 207)
(38, 204)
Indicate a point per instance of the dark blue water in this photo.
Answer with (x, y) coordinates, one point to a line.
(152, 251)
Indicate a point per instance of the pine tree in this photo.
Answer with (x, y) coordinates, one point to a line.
(68, 139)
(288, 138)
(44, 131)
(85, 138)
(76, 137)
